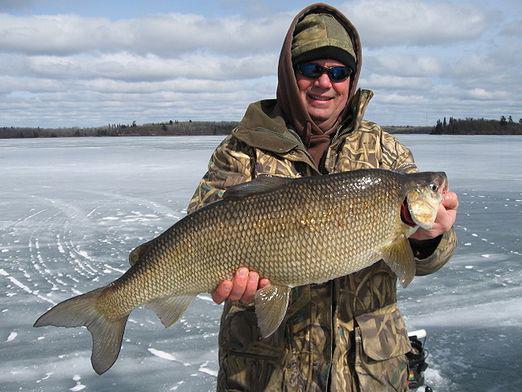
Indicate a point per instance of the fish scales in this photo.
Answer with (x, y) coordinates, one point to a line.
(292, 231)
(301, 234)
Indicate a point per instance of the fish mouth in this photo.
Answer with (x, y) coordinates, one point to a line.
(405, 214)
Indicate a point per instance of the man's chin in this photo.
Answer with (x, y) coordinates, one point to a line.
(319, 118)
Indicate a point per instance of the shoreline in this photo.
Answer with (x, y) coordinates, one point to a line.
(209, 128)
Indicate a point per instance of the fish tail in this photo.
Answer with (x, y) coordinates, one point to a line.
(80, 311)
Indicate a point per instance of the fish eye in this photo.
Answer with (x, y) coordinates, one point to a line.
(434, 186)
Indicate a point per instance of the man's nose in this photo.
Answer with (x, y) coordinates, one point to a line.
(323, 81)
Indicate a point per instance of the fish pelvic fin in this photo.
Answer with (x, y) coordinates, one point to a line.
(107, 335)
(271, 303)
(399, 258)
(169, 309)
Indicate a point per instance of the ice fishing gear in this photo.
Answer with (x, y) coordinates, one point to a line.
(417, 360)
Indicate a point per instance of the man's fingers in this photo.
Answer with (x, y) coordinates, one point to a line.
(263, 282)
(251, 287)
(222, 292)
(450, 201)
(240, 283)
(243, 287)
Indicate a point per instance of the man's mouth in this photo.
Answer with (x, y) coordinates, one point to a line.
(319, 98)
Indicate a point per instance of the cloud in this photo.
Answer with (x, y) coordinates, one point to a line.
(400, 99)
(404, 63)
(393, 82)
(413, 22)
(381, 23)
(125, 66)
(424, 59)
(512, 29)
(165, 35)
(132, 67)
(487, 95)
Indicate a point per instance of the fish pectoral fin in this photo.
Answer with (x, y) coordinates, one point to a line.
(136, 253)
(260, 184)
(169, 309)
(399, 258)
(271, 303)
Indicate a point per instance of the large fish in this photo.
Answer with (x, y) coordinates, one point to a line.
(292, 231)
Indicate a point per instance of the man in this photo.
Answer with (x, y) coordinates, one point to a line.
(346, 334)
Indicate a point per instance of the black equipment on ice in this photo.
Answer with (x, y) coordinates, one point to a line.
(417, 360)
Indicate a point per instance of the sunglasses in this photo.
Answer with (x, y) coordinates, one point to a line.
(337, 73)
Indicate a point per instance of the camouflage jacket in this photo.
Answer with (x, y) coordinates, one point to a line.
(346, 334)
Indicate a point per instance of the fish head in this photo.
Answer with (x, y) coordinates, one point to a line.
(424, 193)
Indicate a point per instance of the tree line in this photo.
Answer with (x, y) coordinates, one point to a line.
(452, 126)
(471, 126)
(169, 128)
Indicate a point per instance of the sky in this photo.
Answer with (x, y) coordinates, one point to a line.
(77, 63)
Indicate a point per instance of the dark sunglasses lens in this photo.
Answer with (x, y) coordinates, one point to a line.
(311, 70)
(338, 74)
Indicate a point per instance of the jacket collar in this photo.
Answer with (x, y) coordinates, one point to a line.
(264, 127)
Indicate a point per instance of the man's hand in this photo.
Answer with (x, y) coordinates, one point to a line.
(445, 218)
(242, 288)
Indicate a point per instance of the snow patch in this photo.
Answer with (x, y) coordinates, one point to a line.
(85, 254)
(167, 356)
(204, 369)
(162, 354)
(12, 336)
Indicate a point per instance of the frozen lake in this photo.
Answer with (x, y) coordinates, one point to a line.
(72, 209)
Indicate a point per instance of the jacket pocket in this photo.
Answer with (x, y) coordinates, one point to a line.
(383, 336)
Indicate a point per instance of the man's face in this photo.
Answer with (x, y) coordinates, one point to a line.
(321, 97)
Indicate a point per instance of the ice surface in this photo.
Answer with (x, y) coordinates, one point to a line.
(72, 210)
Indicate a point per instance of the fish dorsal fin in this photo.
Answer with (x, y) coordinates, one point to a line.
(271, 303)
(399, 258)
(169, 309)
(136, 253)
(260, 184)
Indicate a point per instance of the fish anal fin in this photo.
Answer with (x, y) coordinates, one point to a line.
(136, 254)
(399, 258)
(271, 303)
(170, 308)
(260, 184)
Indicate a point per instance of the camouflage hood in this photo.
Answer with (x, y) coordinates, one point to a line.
(272, 119)
(288, 96)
